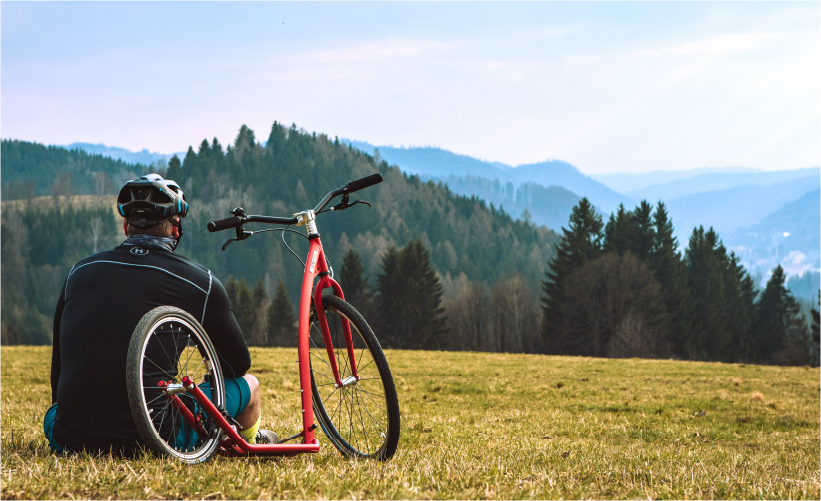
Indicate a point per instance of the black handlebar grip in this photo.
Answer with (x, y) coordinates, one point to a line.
(224, 224)
(363, 183)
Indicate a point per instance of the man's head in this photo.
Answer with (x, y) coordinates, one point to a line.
(152, 205)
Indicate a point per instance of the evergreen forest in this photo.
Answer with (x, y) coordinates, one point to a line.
(427, 268)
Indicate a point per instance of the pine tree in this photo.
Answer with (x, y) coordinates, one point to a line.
(281, 319)
(705, 260)
(242, 303)
(581, 242)
(174, 168)
(619, 232)
(776, 309)
(739, 312)
(668, 267)
(410, 300)
(815, 354)
(644, 231)
(355, 284)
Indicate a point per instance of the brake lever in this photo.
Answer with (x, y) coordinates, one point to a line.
(242, 236)
(344, 204)
(241, 233)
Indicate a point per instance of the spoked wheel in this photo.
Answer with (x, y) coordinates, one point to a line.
(167, 345)
(361, 418)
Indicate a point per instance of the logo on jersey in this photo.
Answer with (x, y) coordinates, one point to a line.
(140, 251)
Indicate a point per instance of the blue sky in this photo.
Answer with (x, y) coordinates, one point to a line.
(609, 87)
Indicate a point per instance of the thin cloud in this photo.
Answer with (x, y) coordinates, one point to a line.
(368, 52)
(720, 44)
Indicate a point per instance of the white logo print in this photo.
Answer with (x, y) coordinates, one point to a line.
(313, 261)
(139, 251)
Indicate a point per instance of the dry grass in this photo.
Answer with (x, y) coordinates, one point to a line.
(479, 425)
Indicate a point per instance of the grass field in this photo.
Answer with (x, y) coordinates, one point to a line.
(478, 425)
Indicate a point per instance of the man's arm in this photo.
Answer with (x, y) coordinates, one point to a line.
(221, 325)
(55, 344)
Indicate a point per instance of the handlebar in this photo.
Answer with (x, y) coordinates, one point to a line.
(353, 186)
(361, 184)
(235, 222)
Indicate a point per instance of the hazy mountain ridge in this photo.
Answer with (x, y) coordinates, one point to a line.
(739, 206)
(714, 181)
(143, 157)
(439, 164)
(731, 199)
(789, 236)
(626, 181)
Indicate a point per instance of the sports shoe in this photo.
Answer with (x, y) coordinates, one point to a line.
(267, 437)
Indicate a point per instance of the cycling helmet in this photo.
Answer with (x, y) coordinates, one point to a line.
(149, 200)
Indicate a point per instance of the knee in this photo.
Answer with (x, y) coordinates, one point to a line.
(253, 385)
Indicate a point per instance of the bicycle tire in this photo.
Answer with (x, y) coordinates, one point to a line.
(161, 347)
(370, 404)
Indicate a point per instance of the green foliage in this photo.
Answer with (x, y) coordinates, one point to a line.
(410, 300)
(355, 284)
(281, 319)
(32, 169)
(709, 299)
(39, 247)
(780, 331)
(245, 304)
(669, 269)
(291, 173)
(816, 333)
(706, 259)
(581, 242)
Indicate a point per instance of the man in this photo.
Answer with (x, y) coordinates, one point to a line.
(103, 299)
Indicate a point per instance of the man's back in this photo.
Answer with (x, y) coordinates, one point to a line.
(103, 299)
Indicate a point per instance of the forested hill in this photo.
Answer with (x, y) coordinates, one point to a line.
(468, 241)
(32, 169)
(295, 169)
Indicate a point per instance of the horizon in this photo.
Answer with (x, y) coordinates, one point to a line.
(608, 88)
(181, 155)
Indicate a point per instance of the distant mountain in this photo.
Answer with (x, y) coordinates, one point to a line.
(737, 207)
(806, 286)
(790, 236)
(438, 164)
(624, 182)
(431, 162)
(714, 181)
(143, 157)
(32, 169)
(549, 206)
(560, 173)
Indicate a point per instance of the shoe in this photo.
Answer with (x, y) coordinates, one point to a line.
(267, 437)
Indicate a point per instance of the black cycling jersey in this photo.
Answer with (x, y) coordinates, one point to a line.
(103, 299)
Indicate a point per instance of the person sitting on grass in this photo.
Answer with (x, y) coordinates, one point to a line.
(103, 299)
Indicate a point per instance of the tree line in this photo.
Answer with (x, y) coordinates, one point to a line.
(427, 268)
(624, 289)
(465, 239)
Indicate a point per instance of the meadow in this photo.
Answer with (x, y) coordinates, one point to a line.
(477, 426)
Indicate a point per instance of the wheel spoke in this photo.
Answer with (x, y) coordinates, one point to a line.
(364, 431)
(329, 396)
(376, 423)
(374, 403)
(160, 368)
(351, 423)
